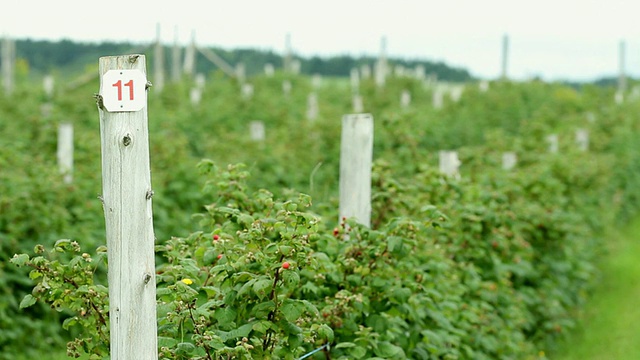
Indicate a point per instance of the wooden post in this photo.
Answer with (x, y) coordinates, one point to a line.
(312, 106)
(438, 97)
(190, 56)
(195, 95)
(358, 106)
(158, 63)
(8, 62)
(553, 143)
(505, 56)
(316, 81)
(126, 196)
(240, 72)
(175, 58)
(405, 99)
(509, 160)
(269, 70)
(622, 76)
(257, 130)
(355, 81)
(288, 54)
(449, 163)
(286, 87)
(65, 151)
(247, 91)
(381, 65)
(582, 139)
(356, 158)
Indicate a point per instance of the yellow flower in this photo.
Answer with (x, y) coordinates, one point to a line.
(187, 281)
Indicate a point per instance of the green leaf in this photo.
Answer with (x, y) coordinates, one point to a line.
(69, 322)
(27, 301)
(261, 287)
(325, 333)
(292, 310)
(388, 350)
(20, 260)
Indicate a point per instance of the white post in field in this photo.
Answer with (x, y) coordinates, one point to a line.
(195, 95)
(158, 63)
(48, 85)
(405, 99)
(622, 76)
(355, 81)
(288, 54)
(553, 143)
(240, 72)
(8, 60)
(190, 56)
(296, 67)
(65, 151)
(356, 158)
(316, 81)
(449, 163)
(126, 197)
(257, 130)
(505, 56)
(247, 91)
(483, 86)
(509, 160)
(358, 106)
(47, 107)
(312, 106)
(286, 87)
(176, 54)
(365, 71)
(438, 97)
(381, 64)
(582, 139)
(420, 72)
(269, 70)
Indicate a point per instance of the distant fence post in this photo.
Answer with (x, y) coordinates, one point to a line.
(356, 159)
(8, 61)
(65, 151)
(126, 196)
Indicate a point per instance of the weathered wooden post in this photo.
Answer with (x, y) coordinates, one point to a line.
(8, 60)
(176, 54)
(505, 56)
(312, 106)
(288, 54)
(552, 140)
(190, 56)
(449, 163)
(358, 106)
(509, 160)
(381, 64)
(356, 158)
(622, 76)
(158, 63)
(65, 151)
(405, 99)
(257, 130)
(582, 139)
(126, 196)
(355, 81)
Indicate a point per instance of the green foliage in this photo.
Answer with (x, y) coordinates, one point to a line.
(490, 265)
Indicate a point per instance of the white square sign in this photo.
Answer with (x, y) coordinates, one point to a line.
(124, 90)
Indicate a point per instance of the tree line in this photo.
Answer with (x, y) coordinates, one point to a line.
(71, 58)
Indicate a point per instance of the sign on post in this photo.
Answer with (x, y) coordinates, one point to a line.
(126, 197)
(124, 90)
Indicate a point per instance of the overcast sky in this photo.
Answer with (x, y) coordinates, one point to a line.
(554, 39)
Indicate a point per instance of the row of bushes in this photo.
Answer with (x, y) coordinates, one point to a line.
(491, 265)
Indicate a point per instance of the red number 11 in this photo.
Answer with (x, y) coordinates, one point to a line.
(119, 86)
